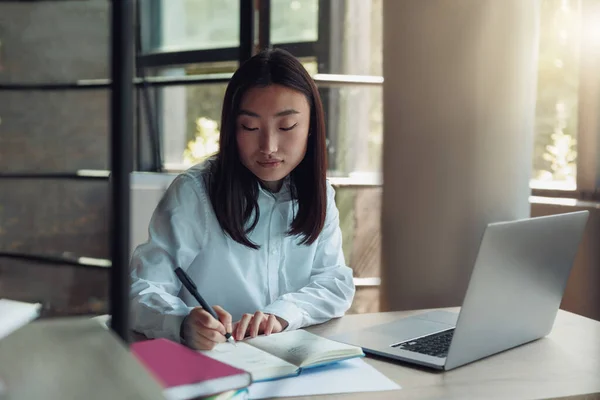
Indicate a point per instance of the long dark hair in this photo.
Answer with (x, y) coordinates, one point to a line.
(233, 189)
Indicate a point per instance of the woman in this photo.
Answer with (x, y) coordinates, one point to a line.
(255, 227)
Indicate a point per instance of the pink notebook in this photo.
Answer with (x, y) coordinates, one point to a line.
(185, 373)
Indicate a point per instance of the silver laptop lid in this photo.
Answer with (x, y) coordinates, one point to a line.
(516, 285)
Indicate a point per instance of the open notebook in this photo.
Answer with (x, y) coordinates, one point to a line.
(282, 354)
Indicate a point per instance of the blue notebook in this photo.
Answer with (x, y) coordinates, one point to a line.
(283, 354)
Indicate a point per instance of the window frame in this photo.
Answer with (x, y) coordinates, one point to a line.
(253, 17)
(330, 30)
(588, 127)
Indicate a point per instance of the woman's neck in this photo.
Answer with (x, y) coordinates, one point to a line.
(272, 186)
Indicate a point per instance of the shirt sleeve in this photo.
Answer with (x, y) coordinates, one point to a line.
(331, 289)
(173, 241)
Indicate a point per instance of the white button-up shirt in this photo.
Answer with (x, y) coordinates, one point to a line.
(303, 284)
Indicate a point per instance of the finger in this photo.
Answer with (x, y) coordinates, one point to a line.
(271, 321)
(199, 342)
(224, 317)
(263, 324)
(258, 319)
(212, 335)
(204, 319)
(242, 325)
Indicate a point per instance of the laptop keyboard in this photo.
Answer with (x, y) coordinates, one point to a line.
(435, 345)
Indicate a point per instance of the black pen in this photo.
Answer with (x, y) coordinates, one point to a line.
(193, 289)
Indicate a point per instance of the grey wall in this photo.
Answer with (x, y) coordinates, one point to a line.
(458, 131)
(41, 131)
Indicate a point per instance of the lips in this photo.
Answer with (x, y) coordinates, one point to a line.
(270, 163)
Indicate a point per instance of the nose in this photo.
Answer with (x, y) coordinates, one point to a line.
(268, 142)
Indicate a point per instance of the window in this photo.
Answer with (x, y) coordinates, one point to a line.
(565, 159)
(333, 39)
(294, 21)
(198, 25)
(357, 120)
(339, 41)
(190, 123)
(556, 122)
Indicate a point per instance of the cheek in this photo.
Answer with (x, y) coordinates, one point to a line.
(245, 144)
(297, 143)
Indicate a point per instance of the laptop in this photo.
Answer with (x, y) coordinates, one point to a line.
(512, 298)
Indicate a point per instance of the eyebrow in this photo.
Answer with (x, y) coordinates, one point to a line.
(283, 113)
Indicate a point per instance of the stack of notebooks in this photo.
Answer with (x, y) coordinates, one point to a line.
(226, 371)
(187, 374)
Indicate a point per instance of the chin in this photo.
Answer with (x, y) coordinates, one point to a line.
(270, 176)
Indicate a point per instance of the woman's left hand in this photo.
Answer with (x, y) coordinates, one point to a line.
(259, 323)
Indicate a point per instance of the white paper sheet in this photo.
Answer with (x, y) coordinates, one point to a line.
(15, 314)
(344, 377)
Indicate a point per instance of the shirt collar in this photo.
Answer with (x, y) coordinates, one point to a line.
(284, 194)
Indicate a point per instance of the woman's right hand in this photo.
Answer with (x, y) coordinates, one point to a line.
(201, 331)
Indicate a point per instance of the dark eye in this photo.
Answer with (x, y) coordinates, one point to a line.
(248, 128)
(289, 128)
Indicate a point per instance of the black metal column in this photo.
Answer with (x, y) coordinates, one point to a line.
(121, 108)
(246, 30)
(329, 59)
(264, 24)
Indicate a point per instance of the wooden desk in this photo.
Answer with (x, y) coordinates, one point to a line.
(565, 363)
(71, 358)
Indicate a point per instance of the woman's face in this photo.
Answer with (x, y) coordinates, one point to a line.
(272, 131)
